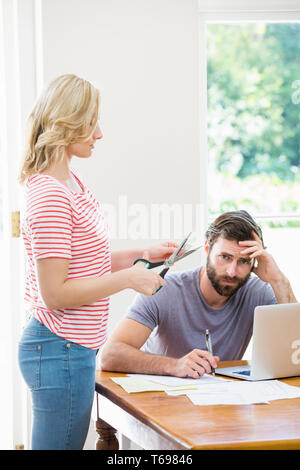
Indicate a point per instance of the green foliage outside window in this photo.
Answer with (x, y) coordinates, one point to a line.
(254, 117)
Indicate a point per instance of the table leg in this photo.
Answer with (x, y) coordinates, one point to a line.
(107, 439)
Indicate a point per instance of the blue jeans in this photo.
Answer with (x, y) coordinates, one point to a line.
(61, 377)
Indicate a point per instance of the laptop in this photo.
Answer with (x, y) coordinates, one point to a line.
(276, 344)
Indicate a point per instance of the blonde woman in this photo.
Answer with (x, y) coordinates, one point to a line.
(71, 272)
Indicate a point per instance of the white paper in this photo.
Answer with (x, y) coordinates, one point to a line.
(229, 399)
(240, 393)
(210, 390)
(233, 393)
(135, 385)
(171, 381)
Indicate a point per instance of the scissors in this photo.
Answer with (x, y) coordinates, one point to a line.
(173, 258)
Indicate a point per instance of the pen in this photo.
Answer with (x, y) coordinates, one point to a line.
(209, 347)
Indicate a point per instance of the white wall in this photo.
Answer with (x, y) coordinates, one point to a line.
(143, 55)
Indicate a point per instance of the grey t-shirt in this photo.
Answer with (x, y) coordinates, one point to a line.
(178, 316)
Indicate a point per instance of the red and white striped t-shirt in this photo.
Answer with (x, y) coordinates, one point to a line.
(61, 223)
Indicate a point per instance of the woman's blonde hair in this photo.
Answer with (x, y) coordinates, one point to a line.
(65, 113)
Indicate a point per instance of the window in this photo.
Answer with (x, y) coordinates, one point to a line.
(253, 91)
(264, 178)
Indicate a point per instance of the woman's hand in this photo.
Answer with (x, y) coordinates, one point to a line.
(160, 252)
(125, 258)
(142, 280)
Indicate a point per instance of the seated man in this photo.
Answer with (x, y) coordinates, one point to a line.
(221, 296)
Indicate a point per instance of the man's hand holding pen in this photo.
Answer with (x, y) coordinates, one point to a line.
(194, 364)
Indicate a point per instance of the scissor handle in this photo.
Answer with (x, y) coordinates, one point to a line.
(164, 272)
(148, 263)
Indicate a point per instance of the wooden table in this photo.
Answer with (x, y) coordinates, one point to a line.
(157, 421)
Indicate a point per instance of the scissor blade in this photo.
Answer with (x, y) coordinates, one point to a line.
(172, 258)
(188, 252)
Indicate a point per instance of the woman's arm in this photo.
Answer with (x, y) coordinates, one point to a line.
(124, 259)
(59, 292)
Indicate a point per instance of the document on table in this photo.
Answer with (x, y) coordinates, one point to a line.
(210, 390)
(171, 381)
(135, 383)
(240, 393)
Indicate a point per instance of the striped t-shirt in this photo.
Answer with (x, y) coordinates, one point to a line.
(61, 223)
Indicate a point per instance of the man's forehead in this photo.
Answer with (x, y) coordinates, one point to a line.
(229, 246)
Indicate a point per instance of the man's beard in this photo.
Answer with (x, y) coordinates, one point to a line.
(223, 289)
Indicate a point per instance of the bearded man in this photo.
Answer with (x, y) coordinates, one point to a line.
(165, 334)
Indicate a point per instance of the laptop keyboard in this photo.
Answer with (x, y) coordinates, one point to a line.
(243, 372)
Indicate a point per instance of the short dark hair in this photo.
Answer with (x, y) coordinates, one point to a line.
(234, 225)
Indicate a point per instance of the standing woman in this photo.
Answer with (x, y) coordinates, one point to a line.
(70, 272)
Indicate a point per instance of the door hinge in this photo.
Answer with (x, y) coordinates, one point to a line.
(19, 447)
(15, 224)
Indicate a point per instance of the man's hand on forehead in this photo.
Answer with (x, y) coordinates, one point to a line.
(253, 248)
(266, 267)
